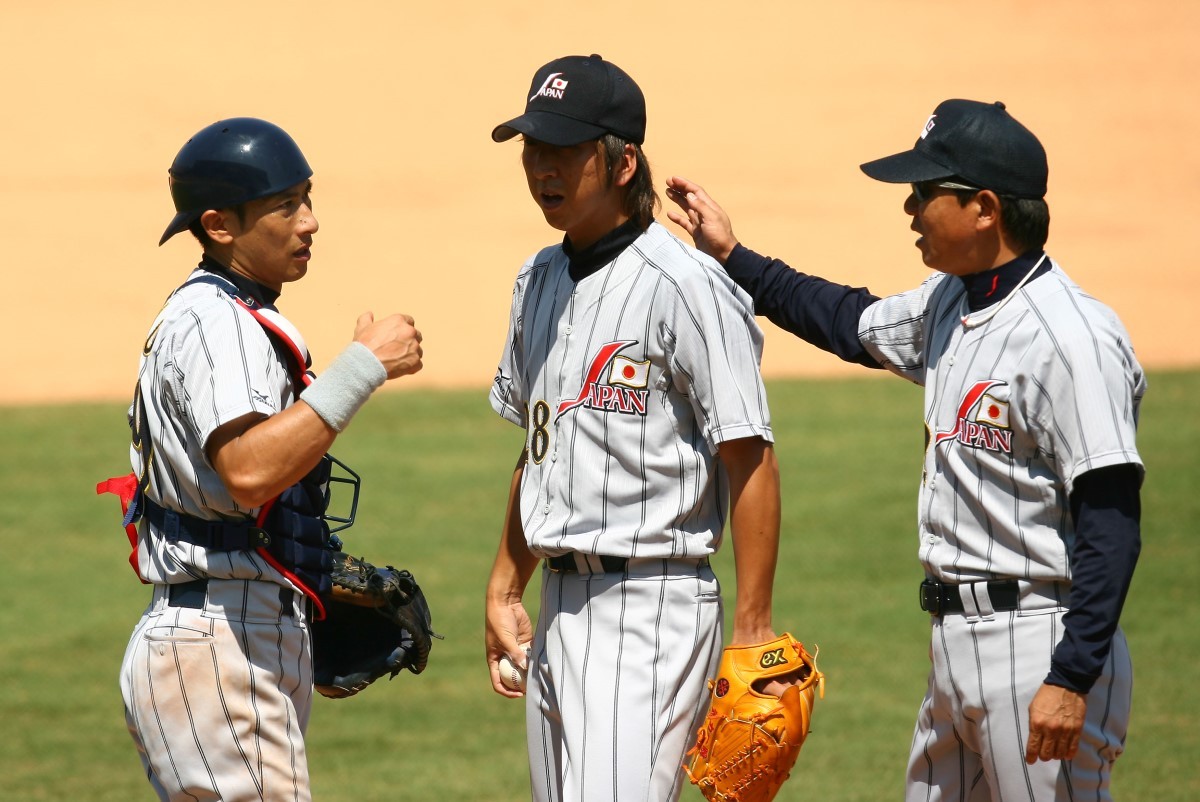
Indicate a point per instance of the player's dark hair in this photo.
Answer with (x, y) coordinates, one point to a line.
(200, 234)
(641, 201)
(1026, 221)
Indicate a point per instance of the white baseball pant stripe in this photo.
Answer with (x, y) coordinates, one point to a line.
(217, 699)
(977, 704)
(618, 677)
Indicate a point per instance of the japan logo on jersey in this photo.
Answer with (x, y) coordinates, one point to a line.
(982, 420)
(613, 383)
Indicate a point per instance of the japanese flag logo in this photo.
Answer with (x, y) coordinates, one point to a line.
(992, 412)
(629, 373)
(928, 126)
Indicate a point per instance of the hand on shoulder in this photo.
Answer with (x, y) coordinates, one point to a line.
(701, 217)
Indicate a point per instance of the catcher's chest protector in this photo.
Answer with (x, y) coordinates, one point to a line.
(298, 545)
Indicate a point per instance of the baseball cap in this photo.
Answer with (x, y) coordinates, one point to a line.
(578, 98)
(979, 142)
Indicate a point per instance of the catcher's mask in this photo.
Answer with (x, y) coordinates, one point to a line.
(354, 481)
(231, 162)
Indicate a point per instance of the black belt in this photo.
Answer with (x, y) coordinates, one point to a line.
(569, 563)
(565, 563)
(188, 594)
(192, 595)
(938, 598)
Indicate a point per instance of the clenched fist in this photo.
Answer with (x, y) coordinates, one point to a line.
(394, 340)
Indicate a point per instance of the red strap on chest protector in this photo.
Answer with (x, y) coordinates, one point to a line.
(280, 329)
(283, 332)
(125, 488)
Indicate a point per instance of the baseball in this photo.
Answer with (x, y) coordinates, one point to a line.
(511, 674)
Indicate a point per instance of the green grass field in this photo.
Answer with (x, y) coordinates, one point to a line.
(436, 468)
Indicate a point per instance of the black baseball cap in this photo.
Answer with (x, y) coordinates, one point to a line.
(578, 98)
(979, 142)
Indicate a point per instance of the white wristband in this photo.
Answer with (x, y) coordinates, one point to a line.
(345, 385)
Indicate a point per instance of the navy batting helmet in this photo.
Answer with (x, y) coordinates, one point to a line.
(231, 162)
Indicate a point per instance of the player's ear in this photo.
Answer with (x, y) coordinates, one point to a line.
(627, 167)
(988, 204)
(217, 225)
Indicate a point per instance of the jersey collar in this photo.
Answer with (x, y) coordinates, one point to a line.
(263, 295)
(990, 286)
(587, 261)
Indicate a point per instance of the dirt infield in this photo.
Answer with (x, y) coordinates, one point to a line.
(772, 110)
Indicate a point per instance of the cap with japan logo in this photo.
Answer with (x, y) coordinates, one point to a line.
(979, 142)
(579, 98)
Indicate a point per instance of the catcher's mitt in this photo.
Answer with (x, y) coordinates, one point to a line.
(749, 741)
(377, 622)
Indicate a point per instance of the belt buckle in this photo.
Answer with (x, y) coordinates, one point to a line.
(930, 597)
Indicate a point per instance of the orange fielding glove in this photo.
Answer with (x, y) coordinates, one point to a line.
(749, 741)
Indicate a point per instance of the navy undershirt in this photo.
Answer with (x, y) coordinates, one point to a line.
(991, 286)
(587, 261)
(1105, 503)
(249, 286)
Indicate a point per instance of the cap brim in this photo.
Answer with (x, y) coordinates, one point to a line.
(553, 129)
(908, 167)
(179, 223)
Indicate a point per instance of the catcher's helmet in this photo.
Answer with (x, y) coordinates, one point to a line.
(231, 162)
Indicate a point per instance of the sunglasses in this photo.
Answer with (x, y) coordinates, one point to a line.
(923, 191)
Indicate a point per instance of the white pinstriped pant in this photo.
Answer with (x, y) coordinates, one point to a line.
(969, 740)
(618, 681)
(217, 699)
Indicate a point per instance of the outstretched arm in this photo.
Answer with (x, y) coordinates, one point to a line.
(817, 311)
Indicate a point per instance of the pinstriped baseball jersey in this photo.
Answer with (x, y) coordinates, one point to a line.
(1020, 400)
(206, 362)
(626, 383)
